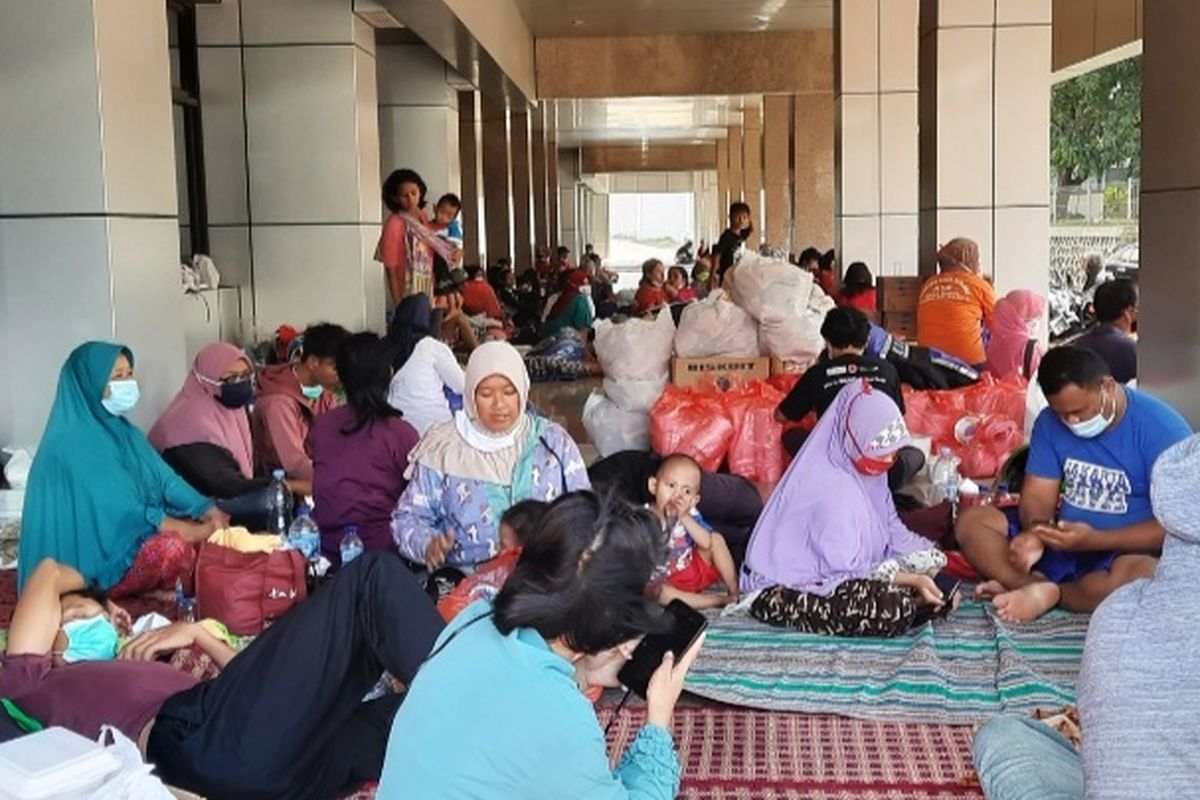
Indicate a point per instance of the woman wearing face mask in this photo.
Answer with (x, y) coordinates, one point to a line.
(204, 434)
(832, 556)
(464, 474)
(100, 498)
(568, 616)
(572, 308)
(1015, 347)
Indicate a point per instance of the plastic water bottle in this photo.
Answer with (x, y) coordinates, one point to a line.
(186, 606)
(352, 546)
(945, 477)
(304, 535)
(279, 504)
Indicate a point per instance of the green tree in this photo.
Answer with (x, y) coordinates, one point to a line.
(1096, 123)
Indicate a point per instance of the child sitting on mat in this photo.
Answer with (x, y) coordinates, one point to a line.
(516, 526)
(698, 557)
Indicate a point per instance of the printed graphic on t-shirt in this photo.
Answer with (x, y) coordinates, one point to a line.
(1091, 487)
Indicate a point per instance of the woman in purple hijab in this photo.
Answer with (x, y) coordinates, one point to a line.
(829, 554)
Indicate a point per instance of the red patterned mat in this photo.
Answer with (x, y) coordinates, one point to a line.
(134, 605)
(743, 754)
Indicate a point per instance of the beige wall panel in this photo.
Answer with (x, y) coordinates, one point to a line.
(813, 193)
(641, 66)
(964, 119)
(777, 174)
(722, 176)
(737, 178)
(752, 167)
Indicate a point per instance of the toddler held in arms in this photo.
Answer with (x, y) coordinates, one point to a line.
(697, 557)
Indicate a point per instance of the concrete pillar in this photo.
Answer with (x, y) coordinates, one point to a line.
(418, 117)
(539, 172)
(554, 211)
(722, 184)
(1169, 330)
(568, 199)
(813, 203)
(777, 141)
(985, 135)
(752, 167)
(876, 144)
(89, 236)
(737, 175)
(291, 143)
(470, 152)
(497, 178)
(522, 191)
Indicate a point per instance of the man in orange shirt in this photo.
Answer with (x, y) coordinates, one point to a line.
(956, 305)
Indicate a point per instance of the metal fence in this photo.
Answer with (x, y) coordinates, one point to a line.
(1069, 245)
(1096, 202)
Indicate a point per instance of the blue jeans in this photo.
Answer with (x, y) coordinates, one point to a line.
(1019, 758)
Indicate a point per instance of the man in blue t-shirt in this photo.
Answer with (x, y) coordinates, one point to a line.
(1084, 526)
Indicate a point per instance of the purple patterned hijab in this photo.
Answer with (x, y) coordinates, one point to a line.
(826, 522)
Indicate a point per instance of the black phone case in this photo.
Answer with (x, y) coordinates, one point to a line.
(686, 627)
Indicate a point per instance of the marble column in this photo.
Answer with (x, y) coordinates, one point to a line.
(722, 184)
(554, 210)
(497, 178)
(291, 143)
(985, 135)
(418, 117)
(813, 198)
(876, 141)
(752, 169)
(777, 140)
(89, 228)
(522, 191)
(1169, 277)
(539, 176)
(470, 158)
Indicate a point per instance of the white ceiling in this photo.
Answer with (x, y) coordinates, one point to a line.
(637, 120)
(548, 18)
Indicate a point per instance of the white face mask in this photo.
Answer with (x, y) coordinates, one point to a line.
(1091, 428)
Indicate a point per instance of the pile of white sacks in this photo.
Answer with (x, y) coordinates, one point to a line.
(772, 308)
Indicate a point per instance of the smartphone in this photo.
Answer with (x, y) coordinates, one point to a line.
(686, 626)
(950, 587)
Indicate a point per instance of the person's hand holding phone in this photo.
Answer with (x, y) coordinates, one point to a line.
(666, 684)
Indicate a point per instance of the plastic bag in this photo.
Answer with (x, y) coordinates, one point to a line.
(795, 336)
(715, 326)
(612, 430)
(995, 439)
(981, 424)
(135, 780)
(634, 395)
(768, 288)
(637, 349)
(755, 451)
(684, 421)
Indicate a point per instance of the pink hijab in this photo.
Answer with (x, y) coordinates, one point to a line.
(196, 417)
(1014, 324)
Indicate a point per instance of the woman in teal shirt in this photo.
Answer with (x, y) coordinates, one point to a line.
(497, 712)
(573, 308)
(98, 491)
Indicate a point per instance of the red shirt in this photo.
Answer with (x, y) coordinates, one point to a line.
(480, 298)
(863, 302)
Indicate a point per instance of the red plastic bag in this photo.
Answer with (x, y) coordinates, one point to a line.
(981, 424)
(756, 451)
(684, 421)
(995, 439)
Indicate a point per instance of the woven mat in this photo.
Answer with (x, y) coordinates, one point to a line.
(957, 671)
(741, 754)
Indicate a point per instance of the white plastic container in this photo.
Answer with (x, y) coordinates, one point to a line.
(53, 763)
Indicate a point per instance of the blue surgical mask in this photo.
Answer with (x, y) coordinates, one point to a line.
(1091, 428)
(91, 639)
(312, 392)
(123, 395)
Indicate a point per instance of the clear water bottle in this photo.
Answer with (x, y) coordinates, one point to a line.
(184, 605)
(279, 504)
(304, 535)
(352, 546)
(945, 477)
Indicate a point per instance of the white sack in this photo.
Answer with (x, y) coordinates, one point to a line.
(613, 430)
(715, 326)
(634, 395)
(637, 349)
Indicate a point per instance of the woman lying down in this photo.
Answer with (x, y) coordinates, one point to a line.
(285, 718)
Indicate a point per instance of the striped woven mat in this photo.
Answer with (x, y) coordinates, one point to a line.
(959, 671)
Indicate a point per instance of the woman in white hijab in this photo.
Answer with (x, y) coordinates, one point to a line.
(465, 473)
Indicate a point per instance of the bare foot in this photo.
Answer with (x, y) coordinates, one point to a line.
(988, 590)
(1027, 603)
(1025, 550)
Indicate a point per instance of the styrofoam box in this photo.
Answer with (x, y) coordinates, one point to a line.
(53, 763)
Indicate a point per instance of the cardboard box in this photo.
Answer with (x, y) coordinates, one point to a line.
(901, 324)
(898, 294)
(687, 373)
(780, 367)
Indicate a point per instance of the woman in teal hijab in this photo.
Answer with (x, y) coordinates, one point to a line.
(98, 492)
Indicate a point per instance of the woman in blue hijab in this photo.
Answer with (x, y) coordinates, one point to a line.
(99, 493)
